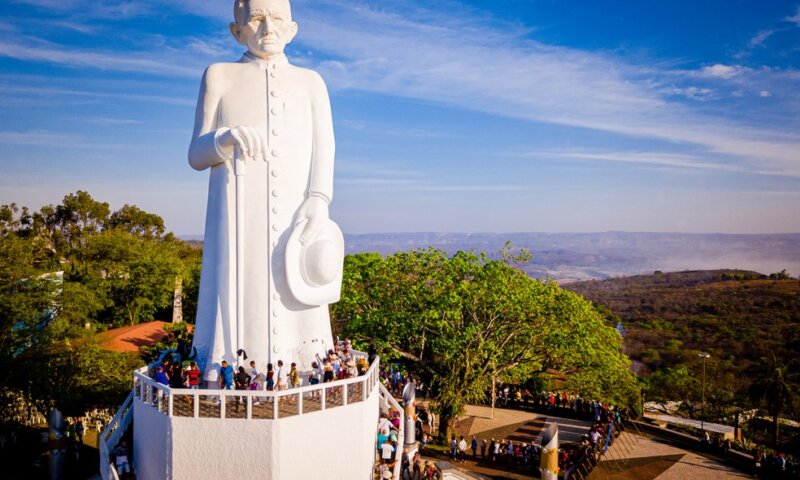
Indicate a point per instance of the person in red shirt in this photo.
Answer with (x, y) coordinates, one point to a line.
(192, 376)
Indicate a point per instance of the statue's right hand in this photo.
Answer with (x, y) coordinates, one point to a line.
(251, 141)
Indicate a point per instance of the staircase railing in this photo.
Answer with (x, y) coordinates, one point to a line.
(112, 435)
(390, 402)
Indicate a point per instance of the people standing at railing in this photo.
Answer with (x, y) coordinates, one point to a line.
(253, 371)
(192, 376)
(335, 363)
(316, 374)
(256, 380)
(161, 376)
(294, 376)
(327, 371)
(282, 377)
(270, 377)
(225, 376)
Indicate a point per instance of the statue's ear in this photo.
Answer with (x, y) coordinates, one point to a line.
(236, 31)
(292, 31)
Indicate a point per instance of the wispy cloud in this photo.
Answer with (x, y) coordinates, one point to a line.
(61, 55)
(51, 139)
(693, 93)
(719, 71)
(111, 121)
(759, 38)
(504, 74)
(394, 184)
(105, 9)
(75, 27)
(646, 158)
(59, 92)
(394, 129)
(794, 18)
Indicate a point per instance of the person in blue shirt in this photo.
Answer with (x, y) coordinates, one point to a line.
(161, 375)
(226, 376)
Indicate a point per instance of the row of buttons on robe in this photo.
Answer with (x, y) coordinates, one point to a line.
(275, 111)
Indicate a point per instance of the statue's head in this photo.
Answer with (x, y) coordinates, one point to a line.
(264, 26)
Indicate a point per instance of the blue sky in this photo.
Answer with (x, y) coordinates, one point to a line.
(457, 116)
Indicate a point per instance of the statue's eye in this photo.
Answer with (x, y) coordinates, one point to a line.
(277, 20)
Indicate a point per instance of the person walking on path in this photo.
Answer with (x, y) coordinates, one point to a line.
(474, 447)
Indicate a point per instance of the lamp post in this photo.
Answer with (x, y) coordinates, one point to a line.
(705, 357)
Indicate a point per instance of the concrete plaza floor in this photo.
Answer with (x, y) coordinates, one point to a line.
(632, 457)
(648, 458)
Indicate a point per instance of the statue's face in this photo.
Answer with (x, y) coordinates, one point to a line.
(265, 27)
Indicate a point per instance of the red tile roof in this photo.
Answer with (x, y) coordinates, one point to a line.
(129, 339)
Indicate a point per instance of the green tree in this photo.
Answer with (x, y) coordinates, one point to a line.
(773, 390)
(136, 221)
(136, 274)
(676, 384)
(463, 320)
(78, 217)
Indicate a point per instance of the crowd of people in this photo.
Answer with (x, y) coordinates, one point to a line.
(562, 403)
(414, 468)
(497, 452)
(775, 466)
(336, 364)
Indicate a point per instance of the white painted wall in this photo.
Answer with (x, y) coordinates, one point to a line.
(304, 447)
(152, 451)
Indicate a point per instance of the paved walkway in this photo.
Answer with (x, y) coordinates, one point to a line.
(647, 458)
(632, 457)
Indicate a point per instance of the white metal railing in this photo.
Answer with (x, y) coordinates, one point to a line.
(112, 435)
(255, 404)
(390, 402)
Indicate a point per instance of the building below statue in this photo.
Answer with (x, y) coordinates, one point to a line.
(191, 434)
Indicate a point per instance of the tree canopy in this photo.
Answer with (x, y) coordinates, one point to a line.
(463, 320)
(71, 270)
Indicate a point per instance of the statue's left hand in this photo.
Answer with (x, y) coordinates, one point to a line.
(315, 209)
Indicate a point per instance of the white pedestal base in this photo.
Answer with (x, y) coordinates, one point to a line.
(336, 443)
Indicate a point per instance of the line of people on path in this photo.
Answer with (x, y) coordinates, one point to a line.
(499, 452)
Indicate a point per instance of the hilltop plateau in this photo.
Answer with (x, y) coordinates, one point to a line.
(735, 315)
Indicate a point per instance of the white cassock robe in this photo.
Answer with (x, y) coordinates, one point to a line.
(291, 104)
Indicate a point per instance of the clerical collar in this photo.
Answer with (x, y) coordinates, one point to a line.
(280, 60)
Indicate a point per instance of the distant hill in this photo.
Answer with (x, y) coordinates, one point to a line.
(732, 314)
(569, 257)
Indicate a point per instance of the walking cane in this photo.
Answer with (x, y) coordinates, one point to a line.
(238, 171)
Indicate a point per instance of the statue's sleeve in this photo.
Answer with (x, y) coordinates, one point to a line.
(321, 181)
(204, 150)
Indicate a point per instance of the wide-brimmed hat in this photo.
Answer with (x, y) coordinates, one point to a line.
(314, 270)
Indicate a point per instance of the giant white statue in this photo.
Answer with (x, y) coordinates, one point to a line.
(272, 258)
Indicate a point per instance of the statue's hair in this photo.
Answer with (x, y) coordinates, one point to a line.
(238, 9)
